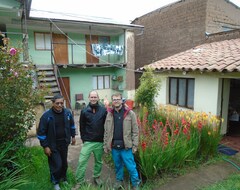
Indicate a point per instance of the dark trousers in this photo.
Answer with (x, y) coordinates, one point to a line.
(58, 163)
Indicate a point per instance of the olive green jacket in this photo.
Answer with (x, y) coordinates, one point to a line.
(130, 130)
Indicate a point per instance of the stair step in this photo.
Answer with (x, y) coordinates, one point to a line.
(55, 90)
(48, 97)
(47, 79)
(45, 73)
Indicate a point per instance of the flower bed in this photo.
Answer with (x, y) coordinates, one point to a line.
(171, 138)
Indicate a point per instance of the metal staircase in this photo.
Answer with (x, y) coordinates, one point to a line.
(47, 76)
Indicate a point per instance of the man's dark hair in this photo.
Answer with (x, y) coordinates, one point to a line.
(58, 96)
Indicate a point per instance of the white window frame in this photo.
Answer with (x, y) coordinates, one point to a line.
(101, 82)
(42, 41)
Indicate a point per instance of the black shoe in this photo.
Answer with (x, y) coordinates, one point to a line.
(118, 185)
(98, 181)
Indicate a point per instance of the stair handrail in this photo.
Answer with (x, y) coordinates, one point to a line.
(57, 73)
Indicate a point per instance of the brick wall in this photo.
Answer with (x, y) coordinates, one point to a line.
(179, 27)
(222, 16)
(170, 30)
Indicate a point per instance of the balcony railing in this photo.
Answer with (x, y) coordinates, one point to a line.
(70, 53)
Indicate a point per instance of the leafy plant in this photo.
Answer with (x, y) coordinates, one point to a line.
(11, 177)
(18, 95)
(149, 88)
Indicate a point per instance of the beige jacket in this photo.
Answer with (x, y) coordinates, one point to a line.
(130, 130)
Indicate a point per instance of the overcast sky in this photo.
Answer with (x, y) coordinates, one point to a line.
(122, 10)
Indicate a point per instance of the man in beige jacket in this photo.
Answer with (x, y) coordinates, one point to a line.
(121, 138)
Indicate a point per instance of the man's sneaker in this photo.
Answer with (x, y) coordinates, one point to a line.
(56, 187)
(65, 182)
(98, 181)
(136, 188)
(118, 185)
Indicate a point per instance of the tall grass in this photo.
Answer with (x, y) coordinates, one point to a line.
(10, 170)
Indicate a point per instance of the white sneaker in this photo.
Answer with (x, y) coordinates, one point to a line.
(56, 187)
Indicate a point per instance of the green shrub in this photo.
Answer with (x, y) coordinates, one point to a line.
(18, 97)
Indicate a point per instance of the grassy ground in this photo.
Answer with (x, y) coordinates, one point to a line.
(231, 183)
(37, 173)
(37, 170)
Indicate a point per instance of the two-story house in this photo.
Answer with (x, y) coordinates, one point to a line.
(76, 54)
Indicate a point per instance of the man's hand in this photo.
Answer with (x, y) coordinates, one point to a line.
(73, 141)
(106, 150)
(134, 150)
(47, 151)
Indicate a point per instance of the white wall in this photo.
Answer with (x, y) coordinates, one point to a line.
(209, 97)
(162, 98)
(206, 94)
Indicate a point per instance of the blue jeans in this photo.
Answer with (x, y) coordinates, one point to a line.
(125, 157)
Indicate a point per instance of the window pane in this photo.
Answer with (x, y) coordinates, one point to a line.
(100, 82)
(47, 41)
(173, 91)
(190, 93)
(107, 82)
(94, 82)
(182, 92)
(39, 41)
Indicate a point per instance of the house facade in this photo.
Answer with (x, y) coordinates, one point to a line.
(75, 54)
(180, 26)
(205, 78)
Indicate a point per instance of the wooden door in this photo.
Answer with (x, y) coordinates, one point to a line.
(65, 89)
(60, 49)
(91, 40)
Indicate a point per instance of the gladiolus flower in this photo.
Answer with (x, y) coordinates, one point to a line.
(13, 51)
(144, 145)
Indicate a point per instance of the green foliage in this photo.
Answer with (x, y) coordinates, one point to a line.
(18, 97)
(36, 168)
(10, 171)
(150, 84)
(175, 139)
(231, 183)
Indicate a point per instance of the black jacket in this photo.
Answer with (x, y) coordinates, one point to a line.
(46, 132)
(92, 124)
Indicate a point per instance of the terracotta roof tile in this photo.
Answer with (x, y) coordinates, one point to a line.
(215, 56)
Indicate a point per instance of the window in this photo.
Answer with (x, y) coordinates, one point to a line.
(101, 82)
(181, 92)
(42, 41)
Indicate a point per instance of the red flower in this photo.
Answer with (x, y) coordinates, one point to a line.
(144, 146)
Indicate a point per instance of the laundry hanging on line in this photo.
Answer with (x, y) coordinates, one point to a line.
(106, 49)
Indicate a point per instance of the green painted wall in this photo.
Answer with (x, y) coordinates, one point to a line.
(81, 81)
(76, 50)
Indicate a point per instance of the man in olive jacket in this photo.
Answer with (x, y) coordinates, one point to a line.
(121, 138)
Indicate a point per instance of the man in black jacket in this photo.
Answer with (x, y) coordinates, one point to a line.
(56, 130)
(91, 124)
